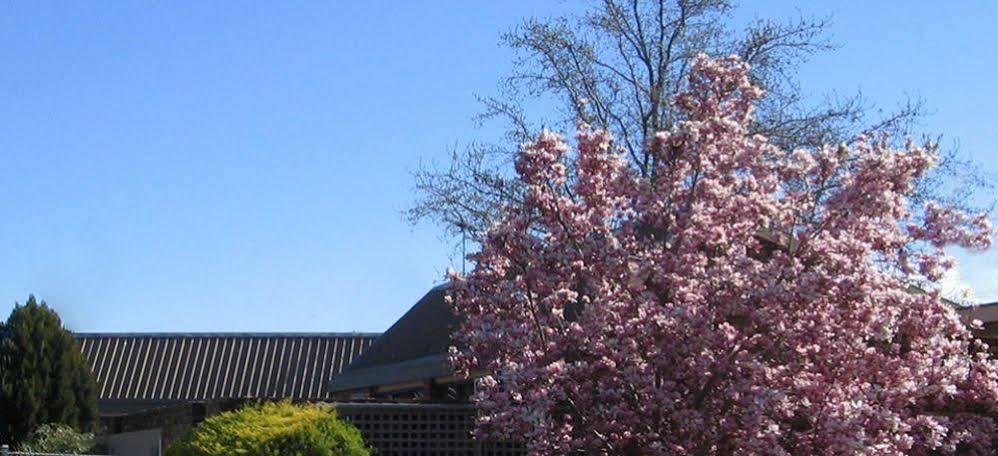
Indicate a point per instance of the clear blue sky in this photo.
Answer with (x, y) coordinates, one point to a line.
(241, 167)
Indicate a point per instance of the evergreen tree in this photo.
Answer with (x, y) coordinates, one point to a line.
(44, 377)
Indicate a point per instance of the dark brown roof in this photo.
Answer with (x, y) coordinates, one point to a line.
(987, 313)
(164, 368)
(423, 330)
(414, 348)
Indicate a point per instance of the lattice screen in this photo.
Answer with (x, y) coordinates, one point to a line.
(421, 430)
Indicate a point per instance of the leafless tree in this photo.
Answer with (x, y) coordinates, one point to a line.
(619, 66)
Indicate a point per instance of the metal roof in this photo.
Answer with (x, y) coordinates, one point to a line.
(424, 330)
(414, 348)
(170, 367)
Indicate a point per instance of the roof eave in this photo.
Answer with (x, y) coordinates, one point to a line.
(427, 367)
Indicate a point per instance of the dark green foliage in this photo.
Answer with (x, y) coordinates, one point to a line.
(273, 429)
(43, 376)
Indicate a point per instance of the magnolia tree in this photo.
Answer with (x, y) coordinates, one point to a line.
(740, 299)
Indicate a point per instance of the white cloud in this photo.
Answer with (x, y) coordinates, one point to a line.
(979, 272)
(954, 287)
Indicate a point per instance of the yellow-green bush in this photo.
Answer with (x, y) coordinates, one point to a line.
(273, 429)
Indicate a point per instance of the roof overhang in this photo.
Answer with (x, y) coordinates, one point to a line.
(988, 316)
(397, 374)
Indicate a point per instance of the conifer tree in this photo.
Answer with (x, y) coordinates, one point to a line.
(44, 377)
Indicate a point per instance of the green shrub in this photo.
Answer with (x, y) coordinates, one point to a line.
(273, 429)
(58, 438)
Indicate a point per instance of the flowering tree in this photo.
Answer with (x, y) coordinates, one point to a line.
(739, 299)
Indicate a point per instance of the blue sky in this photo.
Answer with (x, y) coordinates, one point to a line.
(179, 166)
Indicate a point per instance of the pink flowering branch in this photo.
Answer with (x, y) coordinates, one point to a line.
(737, 298)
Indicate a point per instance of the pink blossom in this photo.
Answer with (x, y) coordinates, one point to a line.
(740, 300)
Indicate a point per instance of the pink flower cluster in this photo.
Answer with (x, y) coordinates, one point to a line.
(740, 300)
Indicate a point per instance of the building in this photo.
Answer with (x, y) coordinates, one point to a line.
(408, 361)
(152, 387)
(403, 394)
(397, 387)
(988, 315)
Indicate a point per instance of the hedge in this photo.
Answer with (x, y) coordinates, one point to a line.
(273, 429)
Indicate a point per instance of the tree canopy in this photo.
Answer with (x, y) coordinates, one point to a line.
(618, 67)
(44, 377)
(739, 298)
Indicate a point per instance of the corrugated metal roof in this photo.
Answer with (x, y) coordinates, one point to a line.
(206, 366)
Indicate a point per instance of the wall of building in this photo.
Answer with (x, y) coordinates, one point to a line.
(172, 422)
(443, 429)
(400, 429)
(138, 443)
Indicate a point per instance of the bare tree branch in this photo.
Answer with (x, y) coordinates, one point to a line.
(619, 66)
